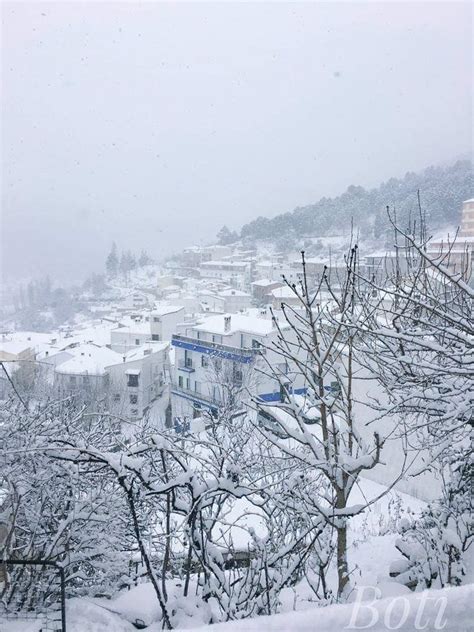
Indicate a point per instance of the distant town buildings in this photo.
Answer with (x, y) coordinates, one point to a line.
(194, 335)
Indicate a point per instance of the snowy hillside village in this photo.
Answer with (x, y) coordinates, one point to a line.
(256, 432)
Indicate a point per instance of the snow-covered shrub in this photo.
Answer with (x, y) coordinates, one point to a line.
(436, 544)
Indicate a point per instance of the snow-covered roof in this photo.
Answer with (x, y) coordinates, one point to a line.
(283, 292)
(89, 359)
(214, 264)
(381, 253)
(264, 282)
(143, 350)
(238, 323)
(15, 346)
(162, 310)
(234, 293)
(131, 326)
(39, 341)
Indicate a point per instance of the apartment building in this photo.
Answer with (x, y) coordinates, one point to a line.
(126, 383)
(163, 321)
(217, 362)
(235, 300)
(262, 290)
(234, 273)
(156, 325)
(139, 380)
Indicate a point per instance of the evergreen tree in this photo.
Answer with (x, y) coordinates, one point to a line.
(144, 259)
(226, 236)
(123, 266)
(112, 262)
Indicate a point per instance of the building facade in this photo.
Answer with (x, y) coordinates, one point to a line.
(222, 361)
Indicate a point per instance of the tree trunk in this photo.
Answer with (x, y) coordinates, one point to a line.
(342, 566)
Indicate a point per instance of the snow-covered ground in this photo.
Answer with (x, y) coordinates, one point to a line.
(449, 609)
(371, 550)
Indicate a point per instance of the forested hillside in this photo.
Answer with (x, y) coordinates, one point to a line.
(442, 190)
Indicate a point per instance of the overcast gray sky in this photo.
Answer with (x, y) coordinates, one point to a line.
(153, 124)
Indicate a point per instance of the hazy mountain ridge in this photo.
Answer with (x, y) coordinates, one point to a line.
(442, 190)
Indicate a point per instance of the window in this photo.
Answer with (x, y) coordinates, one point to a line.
(238, 376)
(256, 344)
(137, 341)
(197, 387)
(133, 399)
(132, 380)
(116, 397)
(188, 383)
(283, 389)
(335, 388)
(72, 381)
(188, 360)
(134, 412)
(204, 361)
(157, 319)
(180, 381)
(155, 336)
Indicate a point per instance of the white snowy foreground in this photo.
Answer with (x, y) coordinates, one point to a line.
(449, 609)
(371, 552)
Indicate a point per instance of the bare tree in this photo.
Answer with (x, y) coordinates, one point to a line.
(321, 429)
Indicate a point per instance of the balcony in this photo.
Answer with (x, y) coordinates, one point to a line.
(205, 399)
(186, 365)
(236, 354)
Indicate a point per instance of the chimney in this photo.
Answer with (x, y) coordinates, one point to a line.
(227, 321)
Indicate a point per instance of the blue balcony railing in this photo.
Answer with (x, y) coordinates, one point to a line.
(236, 354)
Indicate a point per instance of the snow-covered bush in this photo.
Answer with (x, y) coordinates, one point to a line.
(435, 544)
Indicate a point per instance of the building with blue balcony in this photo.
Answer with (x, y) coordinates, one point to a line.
(225, 361)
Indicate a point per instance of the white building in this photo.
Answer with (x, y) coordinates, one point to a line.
(285, 295)
(215, 362)
(382, 265)
(163, 321)
(157, 325)
(130, 333)
(196, 255)
(80, 370)
(262, 289)
(276, 270)
(126, 383)
(235, 300)
(16, 355)
(234, 273)
(139, 380)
